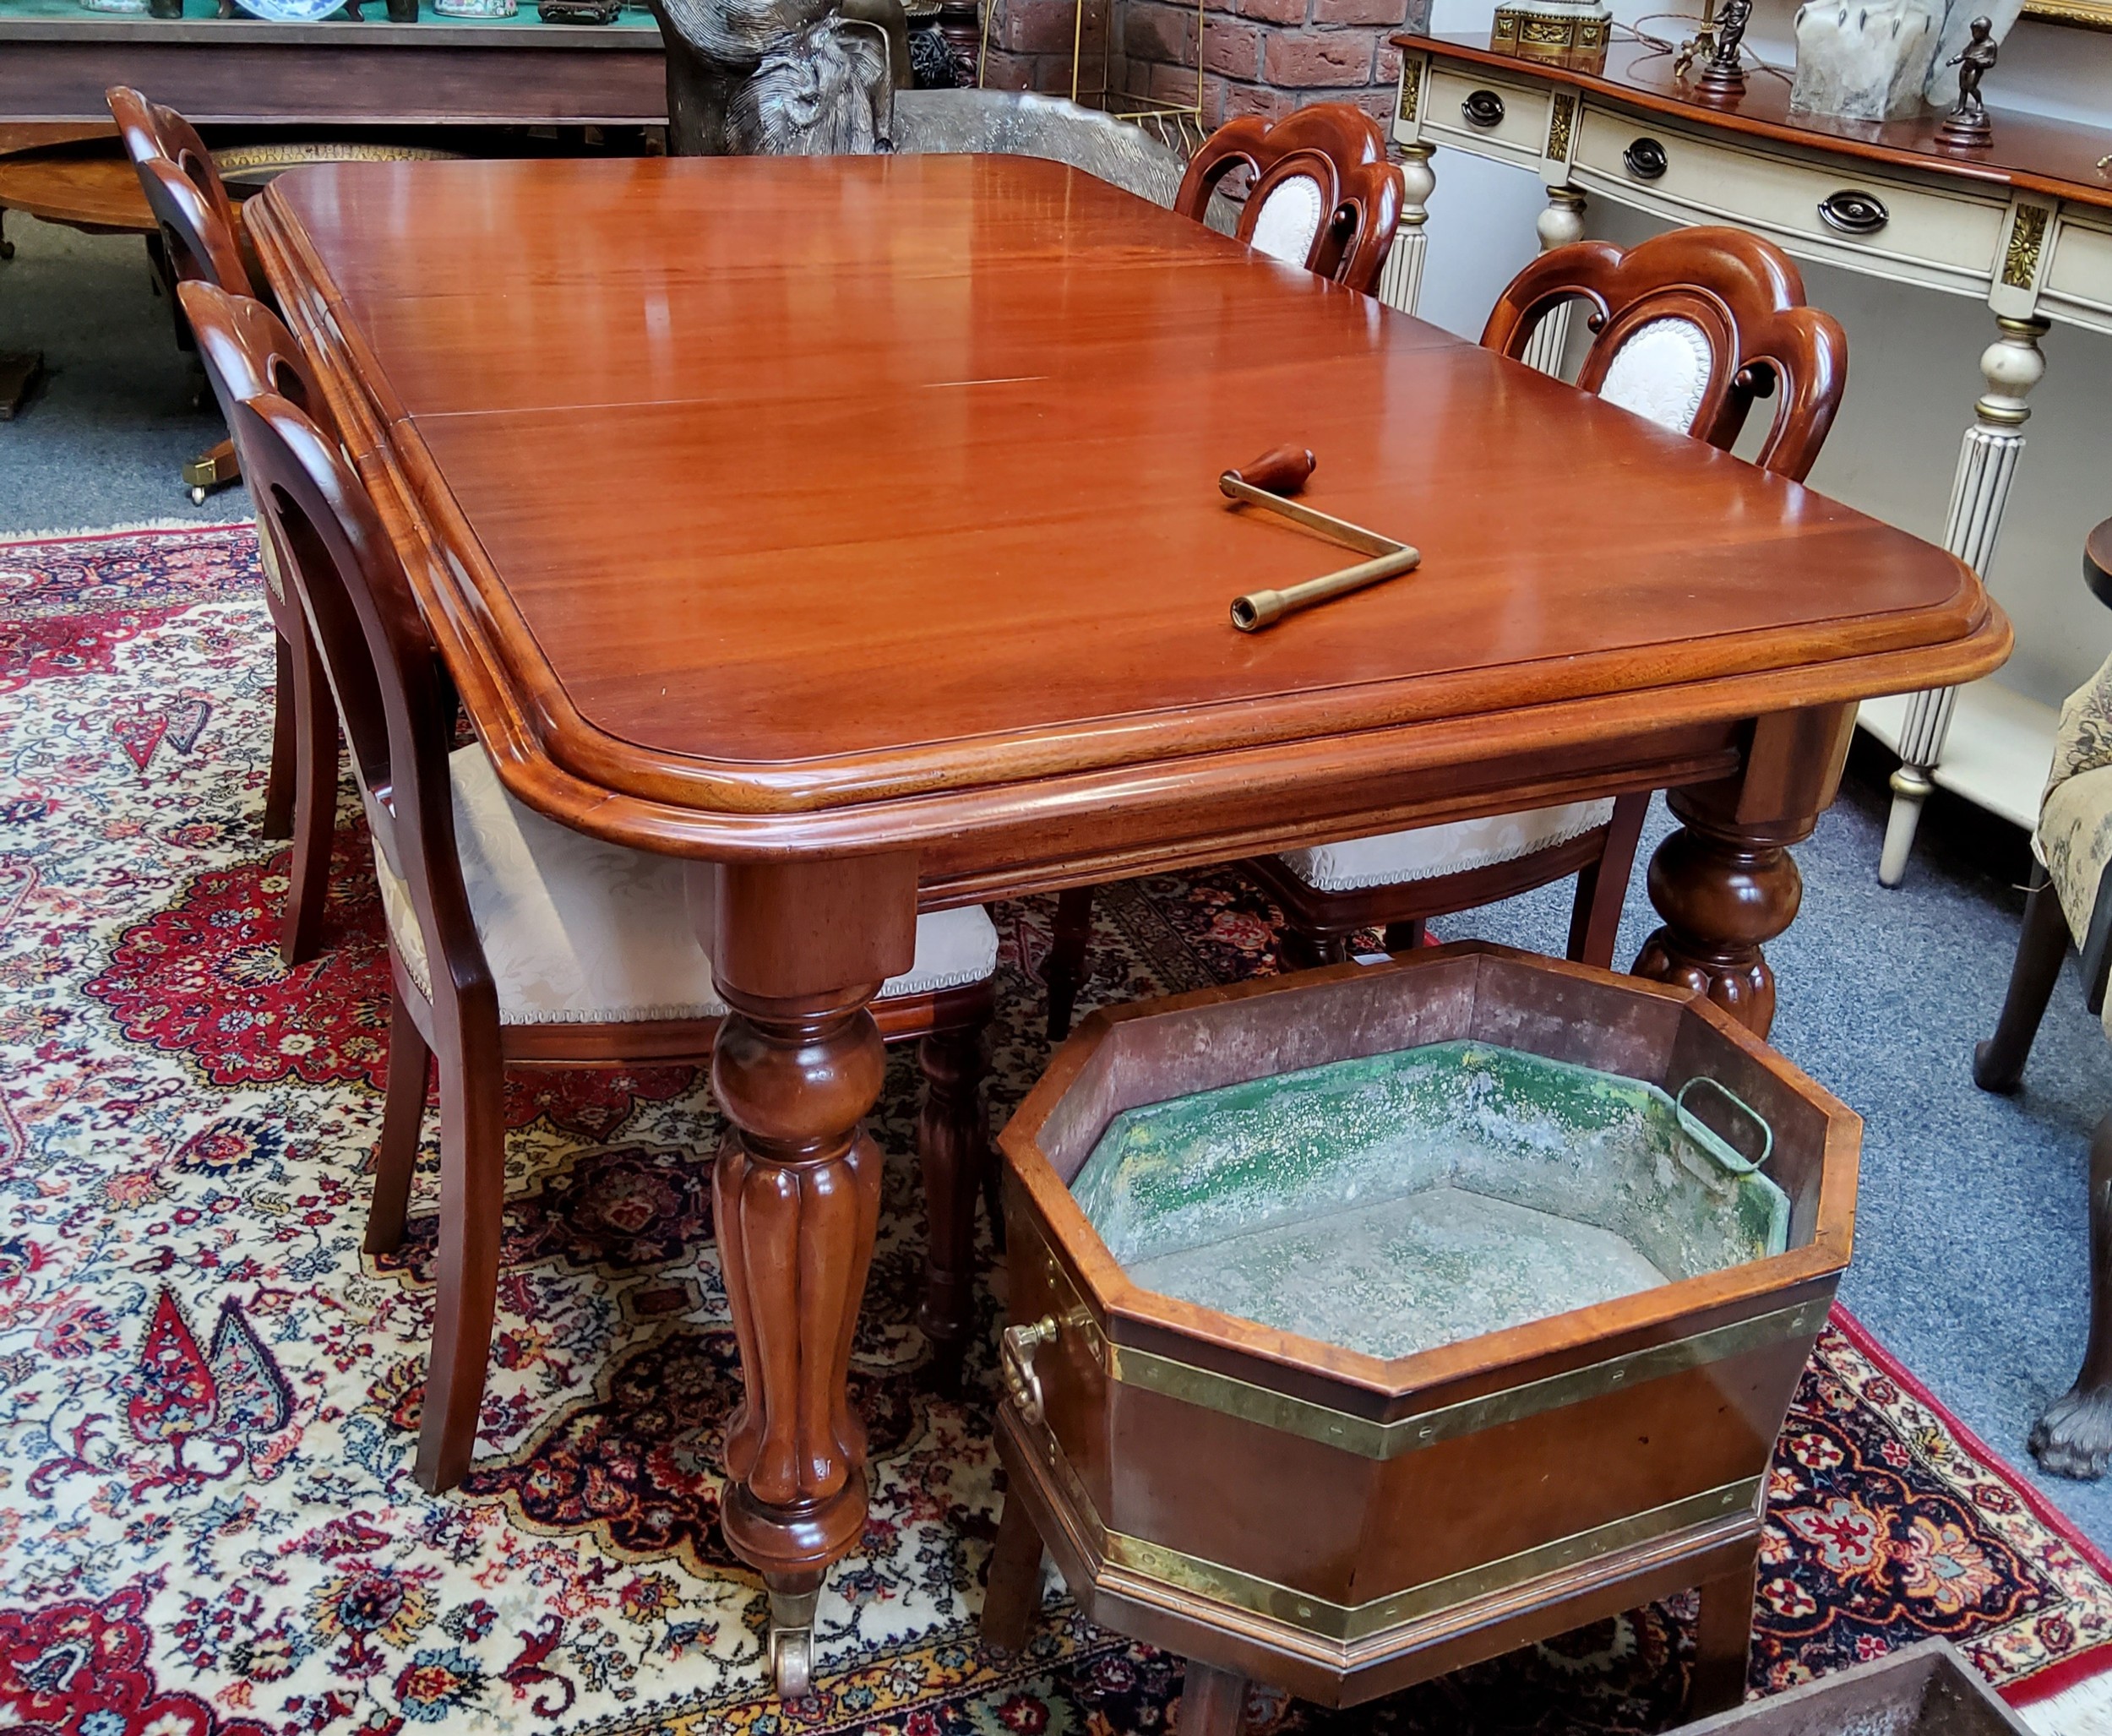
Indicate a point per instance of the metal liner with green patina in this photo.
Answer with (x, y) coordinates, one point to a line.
(1399, 1201)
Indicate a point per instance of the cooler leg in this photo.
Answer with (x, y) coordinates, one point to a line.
(1214, 1702)
(1722, 1638)
(1012, 1592)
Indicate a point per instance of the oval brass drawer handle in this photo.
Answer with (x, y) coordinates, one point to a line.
(1483, 108)
(1853, 213)
(1646, 159)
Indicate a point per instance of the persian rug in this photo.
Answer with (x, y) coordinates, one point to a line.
(208, 1397)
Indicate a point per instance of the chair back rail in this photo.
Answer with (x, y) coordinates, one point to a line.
(1323, 193)
(1724, 292)
(190, 201)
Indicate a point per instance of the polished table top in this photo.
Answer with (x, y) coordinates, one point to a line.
(771, 494)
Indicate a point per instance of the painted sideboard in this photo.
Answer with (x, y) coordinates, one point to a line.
(2024, 226)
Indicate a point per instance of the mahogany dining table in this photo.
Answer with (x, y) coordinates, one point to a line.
(850, 528)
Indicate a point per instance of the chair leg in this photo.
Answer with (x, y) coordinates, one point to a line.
(1998, 1064)
(1302, 949)
(314, 806)
(278, 814)
(2074, 1437)
(1602, 887)
(472, 1207)
(1012, 1589)
(1721, 1640)
(1404, 936)
(1065, 968)
(402, 1120)
(952, 1146)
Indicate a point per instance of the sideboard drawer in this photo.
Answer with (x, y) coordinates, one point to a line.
(2078, 282)
(1894, 229)
(1510, 120)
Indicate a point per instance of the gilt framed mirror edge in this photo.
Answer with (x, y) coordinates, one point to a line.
(2090, 15)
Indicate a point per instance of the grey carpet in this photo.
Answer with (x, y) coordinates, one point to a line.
(122, 408)
(1970, 1240)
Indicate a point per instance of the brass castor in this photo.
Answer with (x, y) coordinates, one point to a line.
(792, 1642)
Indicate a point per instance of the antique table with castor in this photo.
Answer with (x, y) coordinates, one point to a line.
(1371, 1321)
(864, 587)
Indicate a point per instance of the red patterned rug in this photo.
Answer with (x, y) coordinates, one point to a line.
(208, 1396)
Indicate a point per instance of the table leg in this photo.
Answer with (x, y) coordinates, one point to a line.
(799, 951)
(1980, 493)
(1561, 223)
(1725, 883)
(1401, 279)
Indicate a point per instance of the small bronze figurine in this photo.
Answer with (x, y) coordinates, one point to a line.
(1722, 76)
(1966, 126)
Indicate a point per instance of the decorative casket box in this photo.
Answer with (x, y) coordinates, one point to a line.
(1373, 1320)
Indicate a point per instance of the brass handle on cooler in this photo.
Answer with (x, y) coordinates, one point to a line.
(1015, 1354)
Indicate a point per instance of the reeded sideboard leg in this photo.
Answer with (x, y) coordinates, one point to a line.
(1561, 223)
(1401, 278)
(796, 1195)
(1980, 496)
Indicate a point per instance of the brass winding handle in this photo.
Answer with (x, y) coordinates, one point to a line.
(1015, 1353)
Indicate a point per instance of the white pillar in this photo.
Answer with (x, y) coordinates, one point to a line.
(1561, 223)
(1979, 492)
(1401, 278)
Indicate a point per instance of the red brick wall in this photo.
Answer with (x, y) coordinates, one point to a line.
(1259, 57)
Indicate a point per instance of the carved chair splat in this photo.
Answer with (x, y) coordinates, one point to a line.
(583, 960)
(1323, 194)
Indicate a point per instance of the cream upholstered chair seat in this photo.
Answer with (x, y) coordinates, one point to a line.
(578, 931)
(1425, 852)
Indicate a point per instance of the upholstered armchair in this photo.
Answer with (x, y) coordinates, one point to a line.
(2071, 899)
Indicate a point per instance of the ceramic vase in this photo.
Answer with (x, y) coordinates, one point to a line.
(1864, 60)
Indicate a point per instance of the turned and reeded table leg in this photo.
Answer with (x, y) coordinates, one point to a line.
(799, 951)
(1725, 882)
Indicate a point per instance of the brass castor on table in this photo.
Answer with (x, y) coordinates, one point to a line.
(792, 1642)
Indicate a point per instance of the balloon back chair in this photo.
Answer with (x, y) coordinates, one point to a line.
(247, 351)
(199, 235)
(515, 940)
(1689, 329)
(1322, 194)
